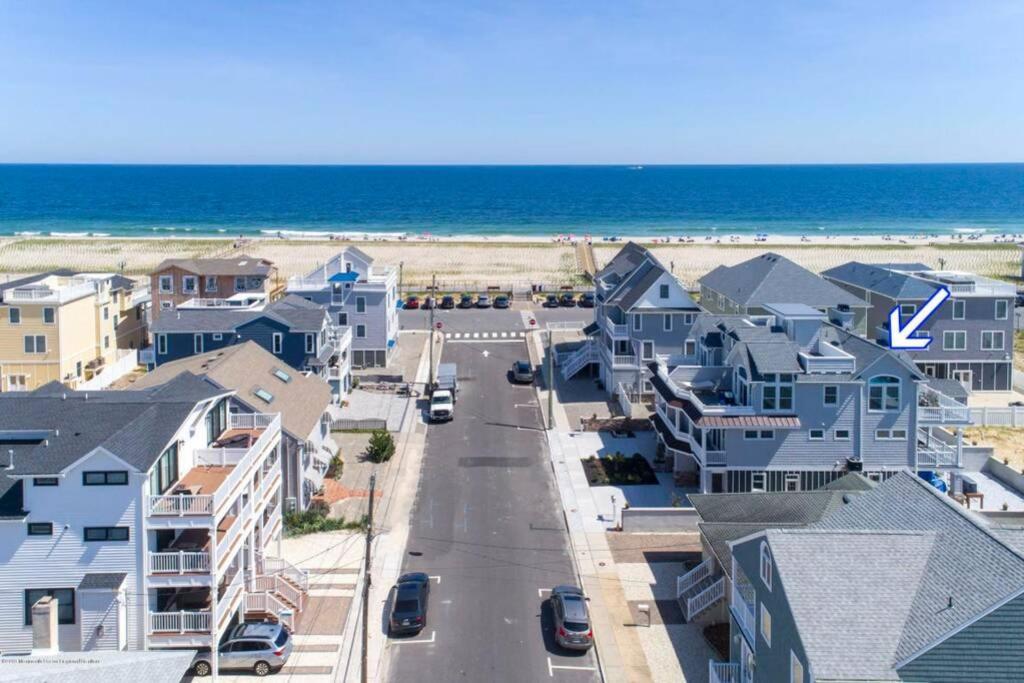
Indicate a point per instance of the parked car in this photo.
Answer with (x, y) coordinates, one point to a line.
(442, 406)
(428, 303)
(260, 647)
(572, 619)
(466, 301)
(501, 301)
(567, 299)
(1020, 299)
(551, 301)
(448, 301)
(412, 302)
(483, 301)
(409, 609)
(587, 300)
(522, 371)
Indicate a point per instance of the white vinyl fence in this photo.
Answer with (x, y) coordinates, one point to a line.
(1010, 416)
(112, 372)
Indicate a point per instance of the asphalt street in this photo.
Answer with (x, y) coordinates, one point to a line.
(487, 524)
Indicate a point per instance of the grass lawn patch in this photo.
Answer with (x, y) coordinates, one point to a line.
(619, 470)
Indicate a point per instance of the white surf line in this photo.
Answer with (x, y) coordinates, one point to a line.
(552, 667)
(421, 641)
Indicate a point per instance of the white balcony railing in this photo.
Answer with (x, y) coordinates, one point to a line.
(615, 329)
(277, 565)
(934, 407)
(723, 672)
(251, 420)
(691, 578)
(705, 598)
(181, 505)
(46, 294)
(743, 612)
(195, 621)
(179, 562)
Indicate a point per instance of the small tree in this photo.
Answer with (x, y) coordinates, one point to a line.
(381, 447)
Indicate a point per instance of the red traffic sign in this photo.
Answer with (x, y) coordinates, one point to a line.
(439, 325)
(533, 323)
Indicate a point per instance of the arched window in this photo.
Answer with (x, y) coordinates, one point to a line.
(884, 394)
(766, 565)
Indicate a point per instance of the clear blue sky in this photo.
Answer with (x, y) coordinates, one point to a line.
(511, 82)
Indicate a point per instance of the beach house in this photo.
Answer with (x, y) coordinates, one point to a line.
(260, 382)
(791, 401)
(745, 288)
(67, 326)
(896, 583)
(359, 295)
(151, 517)
(178, 280)
(971, 332)
(296, 331)
(641, 312)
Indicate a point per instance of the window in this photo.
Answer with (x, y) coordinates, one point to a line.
(65, 598)
(14, 317)
(759, 435)
(264, 395)
(766, 565)
(310, 343)
(40, 528)
(278, 342)
(647, 350)
(343, 318)
(777, 393)
(792, 482)
(830, 395)
(959, 309)
(106, 312)
(663, 291)
(689, 347)
(842, 435)
(890, 434)
(954, 340)
(688, 318)
(766, 625)
(197, 343)
(106, 341)
(908, 310)
(161, 344)
(757, 481)
(992, 340)
(1002, 309)
(35, 343)
(93, 534)
(637, 322)
(116, 321)
(796, 669)
(282, 375)
(210, 283)
(218, 336)
(17, 382)
(816, 435)
(884, 394)
(189, 283)
(360, 331)
(166, 284)
(667, 324)
(105, 478)
(360, 304)
(45, 481)
(239, 284)
(78, 369)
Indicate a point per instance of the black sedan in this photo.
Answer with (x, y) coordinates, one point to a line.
(568, 300)
(587, 300)
(551, 301)
(409, 609)
(466, 301)
(447, 301)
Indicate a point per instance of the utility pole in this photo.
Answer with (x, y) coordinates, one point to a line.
(551, 383)
(433, 306)
(366, 580)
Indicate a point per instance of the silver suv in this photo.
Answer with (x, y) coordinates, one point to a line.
(572, 620)
(259, 647)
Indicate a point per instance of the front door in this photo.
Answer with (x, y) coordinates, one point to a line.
(965, 377)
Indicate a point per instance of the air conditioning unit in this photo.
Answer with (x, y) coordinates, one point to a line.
(854, 465)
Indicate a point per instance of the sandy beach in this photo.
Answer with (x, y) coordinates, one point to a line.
(481, 261)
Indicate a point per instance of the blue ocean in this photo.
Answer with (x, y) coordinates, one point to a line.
(512, 200)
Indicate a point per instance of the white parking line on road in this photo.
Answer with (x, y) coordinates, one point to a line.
(438, 578)
(475, 335)
(552, 667)
(542, 591)
(421, 641)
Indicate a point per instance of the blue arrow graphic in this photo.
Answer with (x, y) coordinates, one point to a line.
(903, 337)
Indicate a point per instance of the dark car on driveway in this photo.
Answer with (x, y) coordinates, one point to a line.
(572, 619)
(587, 300)
(551, 301)
(412, 302)
(409, 609)
(447, 301)
(466, 301)
(568, 299)
(501, 301)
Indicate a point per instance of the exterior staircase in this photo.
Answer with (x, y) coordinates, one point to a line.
(699, 589)
(578, 359)
(278, 591)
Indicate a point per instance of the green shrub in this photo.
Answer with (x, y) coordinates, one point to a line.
(336, 466)
(381, 446)
(315, 520)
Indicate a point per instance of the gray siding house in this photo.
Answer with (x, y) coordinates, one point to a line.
(641, 313)
(745, 289)
(972, 331)
(360, 295)
(794, 402)
(897, 583)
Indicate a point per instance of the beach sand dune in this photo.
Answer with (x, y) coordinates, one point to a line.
(478, 262)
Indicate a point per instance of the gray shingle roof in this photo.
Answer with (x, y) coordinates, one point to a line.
(106, 581)
(879, 278)
(622, 264)
(851, 481)
(771, 278)
(133, 425)
(791, 507)
(292, 311)
(972, 569)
